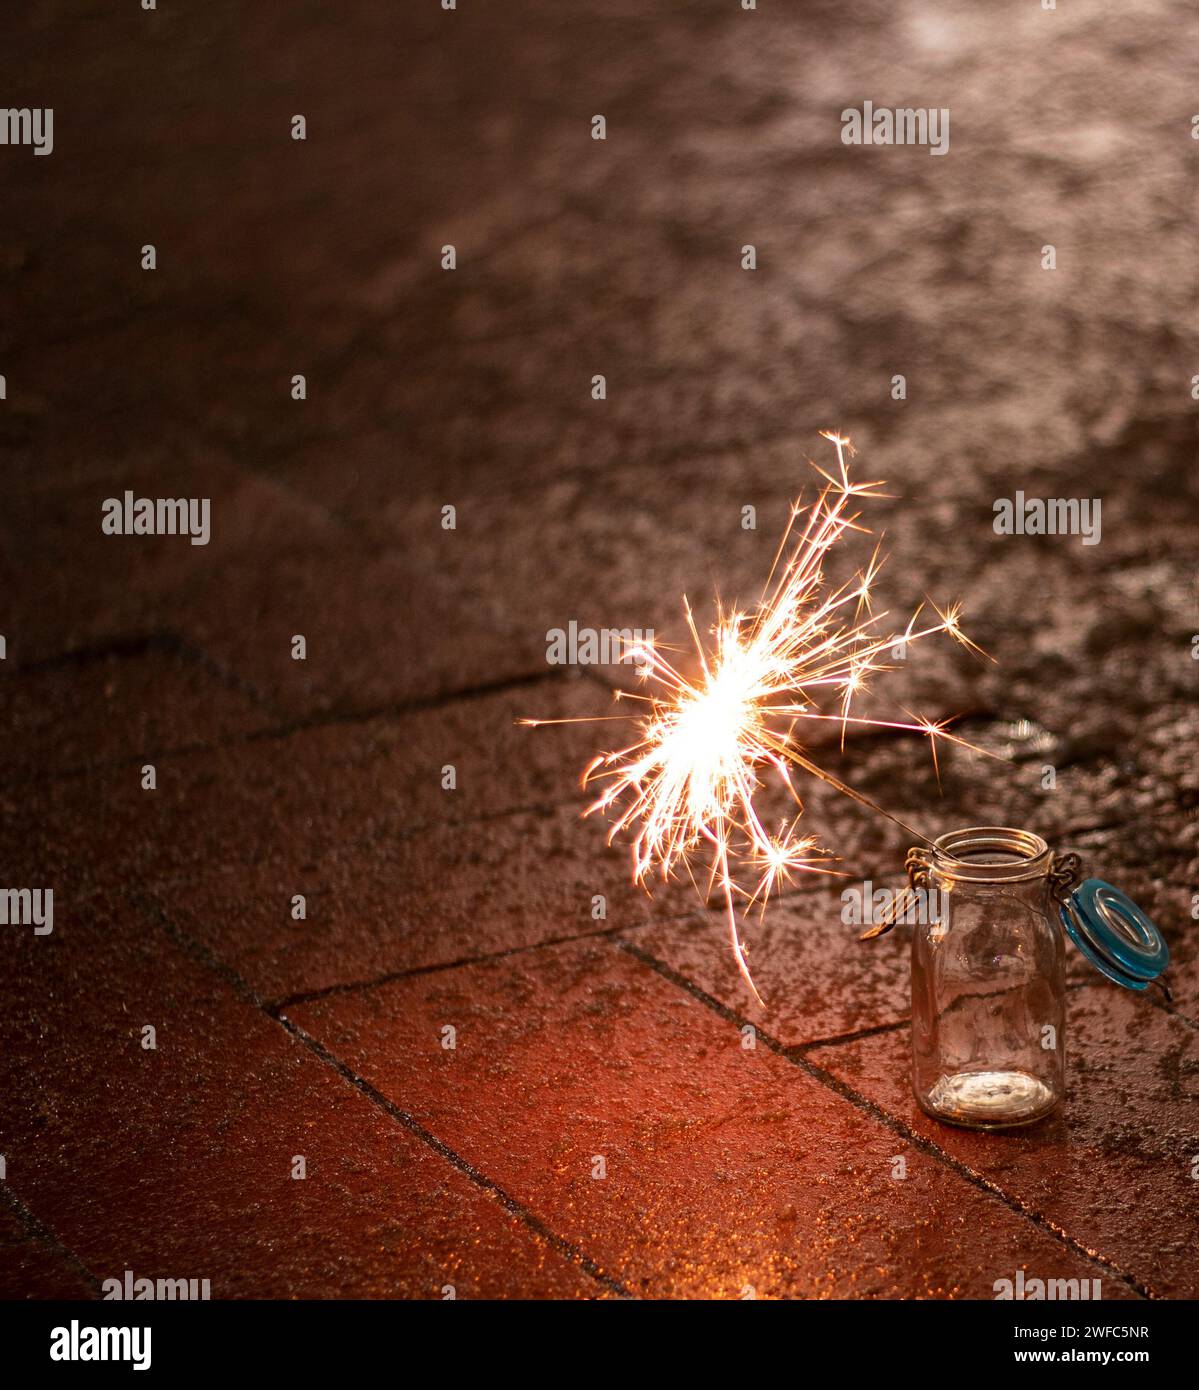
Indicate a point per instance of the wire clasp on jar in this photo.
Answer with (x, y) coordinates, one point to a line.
(1064, 875)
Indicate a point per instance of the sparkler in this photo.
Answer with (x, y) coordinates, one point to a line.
(687, 785)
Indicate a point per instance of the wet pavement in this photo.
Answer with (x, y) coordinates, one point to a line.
(450, 1077)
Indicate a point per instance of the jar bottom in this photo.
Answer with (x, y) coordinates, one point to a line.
(989, 1099)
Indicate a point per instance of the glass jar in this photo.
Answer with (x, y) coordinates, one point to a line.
(988, 980)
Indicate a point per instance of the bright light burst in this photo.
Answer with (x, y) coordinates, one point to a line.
(686, 787)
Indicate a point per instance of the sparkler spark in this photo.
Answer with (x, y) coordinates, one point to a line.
(706, 746)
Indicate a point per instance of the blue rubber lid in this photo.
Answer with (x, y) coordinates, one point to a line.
(1114, 934)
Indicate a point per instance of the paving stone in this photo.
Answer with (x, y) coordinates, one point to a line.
(72, 586)
(103, 829)
(30, 1265)
(724, 1167)
(176, 1162)
(116, 707)
(379, 632)
(817, 979)
(438, 896)
(333, 789)
(1114, 1167)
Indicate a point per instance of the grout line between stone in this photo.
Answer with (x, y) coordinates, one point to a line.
(843, 1039)
(481, 1180)
(390, 977)
(246, 992)
(281, 730)
(46, 1238)
(826, 1078)
(790, 895)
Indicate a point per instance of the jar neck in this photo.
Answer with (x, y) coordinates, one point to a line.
(991, 854)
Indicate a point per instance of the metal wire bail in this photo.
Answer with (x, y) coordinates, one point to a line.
(917, 865)
(1064, 875)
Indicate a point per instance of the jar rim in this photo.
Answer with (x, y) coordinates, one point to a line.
(991, 854)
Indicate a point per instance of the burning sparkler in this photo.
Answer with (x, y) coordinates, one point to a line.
(687, 784)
